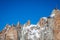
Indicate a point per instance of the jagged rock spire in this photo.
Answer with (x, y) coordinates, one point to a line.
(28, 23)
(42, 21)
(7, 26)
(54, 12)
(13, 25)
(18, 24)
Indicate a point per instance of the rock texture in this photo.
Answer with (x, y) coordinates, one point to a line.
(48, 28)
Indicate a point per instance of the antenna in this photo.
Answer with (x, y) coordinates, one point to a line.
(56, 7)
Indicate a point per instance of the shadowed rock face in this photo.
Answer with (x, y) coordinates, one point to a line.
(57, 25)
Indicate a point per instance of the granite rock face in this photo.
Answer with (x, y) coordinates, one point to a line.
(47, 28)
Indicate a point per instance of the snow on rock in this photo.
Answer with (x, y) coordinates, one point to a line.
(52, 15)
(45, 18)
(54, 12)
(33, 31)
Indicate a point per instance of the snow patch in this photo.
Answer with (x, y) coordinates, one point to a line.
(52, 15)
(45, 18)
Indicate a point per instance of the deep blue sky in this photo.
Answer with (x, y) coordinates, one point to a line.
(12, 11)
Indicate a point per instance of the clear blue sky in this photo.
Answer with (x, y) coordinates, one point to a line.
(12, 11)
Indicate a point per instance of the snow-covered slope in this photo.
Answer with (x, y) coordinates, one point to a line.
(34, 32)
